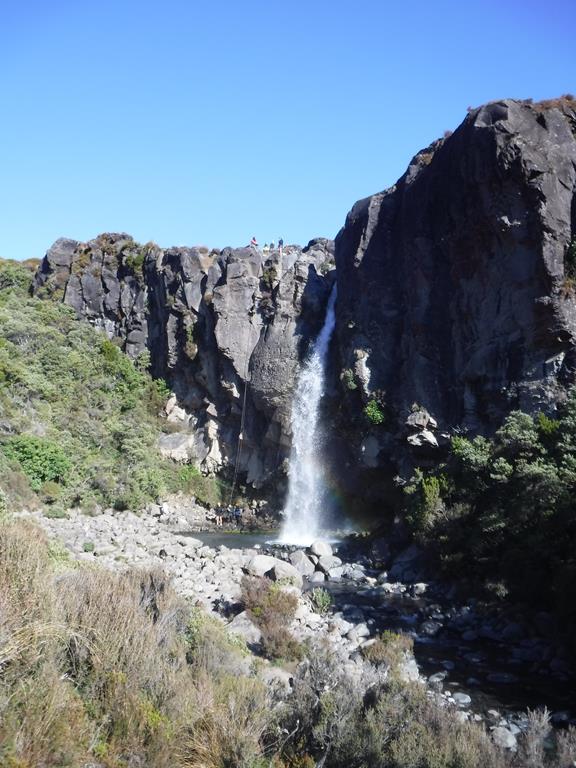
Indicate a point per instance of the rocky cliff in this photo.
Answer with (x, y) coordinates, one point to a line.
(227, 331)
(457, 298)
(456, 305)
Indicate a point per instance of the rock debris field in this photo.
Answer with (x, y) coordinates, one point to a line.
(211, 578)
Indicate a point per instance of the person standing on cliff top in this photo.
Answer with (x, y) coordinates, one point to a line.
(254, 242)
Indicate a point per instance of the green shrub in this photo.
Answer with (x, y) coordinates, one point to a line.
(14, 275)
(374, 413)
(55, 512)
(134, 260)
(99, 408)
(347, 378)
(496, 501)
(389, 649)
(209, 491)
(269, 277)
(41, 460)
(321, 600)
(88, 546)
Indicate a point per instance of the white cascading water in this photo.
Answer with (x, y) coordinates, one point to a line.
(303, 512)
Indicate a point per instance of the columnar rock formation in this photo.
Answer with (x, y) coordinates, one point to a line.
(210, 322)
(456, 298)
(456, 304)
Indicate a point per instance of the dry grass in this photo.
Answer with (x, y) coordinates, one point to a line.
(272, 609)
(102, 667)
(389, 649)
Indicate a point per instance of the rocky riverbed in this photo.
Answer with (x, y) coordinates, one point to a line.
(488, 668)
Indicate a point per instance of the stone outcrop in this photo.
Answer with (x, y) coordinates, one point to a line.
(456, 304)
(226, 329)
(456, 287)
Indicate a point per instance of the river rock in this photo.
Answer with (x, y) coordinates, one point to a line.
(408, 670)
(260, 565)
(302, 562)
(504, 738)
(407, 564)
(502, 677)
(317, 577)
(462, 699)
(430, 628)
(326, 562)
(243, 626)
(321, 548)
(282, 571)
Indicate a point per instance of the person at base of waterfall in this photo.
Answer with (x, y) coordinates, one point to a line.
(238, 516)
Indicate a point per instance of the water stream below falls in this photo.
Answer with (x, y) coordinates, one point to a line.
(306, 489)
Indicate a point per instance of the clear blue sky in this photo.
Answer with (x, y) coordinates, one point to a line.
(198, 122)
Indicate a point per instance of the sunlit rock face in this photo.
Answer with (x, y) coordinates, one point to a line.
(210, 321)
(457, 285)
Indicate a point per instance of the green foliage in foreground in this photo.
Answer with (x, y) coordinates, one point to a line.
(502, 512)
(79, 420)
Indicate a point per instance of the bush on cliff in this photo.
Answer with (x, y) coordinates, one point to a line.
(501, 511)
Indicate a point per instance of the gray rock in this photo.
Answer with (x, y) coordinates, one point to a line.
(406, 565)
(408, 670)
(243, 626)
(502, 677)
(453, 320)
(202, 315)
(462, 699)
(326, 562)
(302, 562)
(430, 628)
(504, 738)
(321, 549)
(317, 577)
(260, 565)
(282, 571)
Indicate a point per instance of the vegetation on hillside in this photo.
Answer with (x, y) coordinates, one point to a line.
(79, 420)
(501, 512)
(113, 669)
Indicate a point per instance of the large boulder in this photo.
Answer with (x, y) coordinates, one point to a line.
(302, 562)
(260, 565)
(321, 548)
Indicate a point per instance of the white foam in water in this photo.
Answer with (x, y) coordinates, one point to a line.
(303, 512)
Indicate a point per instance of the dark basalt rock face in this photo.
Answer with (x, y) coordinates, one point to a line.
(210, 321)
(456, 304)
(456, 299)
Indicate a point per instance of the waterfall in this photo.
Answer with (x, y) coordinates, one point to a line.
(303, 512)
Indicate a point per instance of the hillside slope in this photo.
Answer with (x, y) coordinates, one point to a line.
(79, 420)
